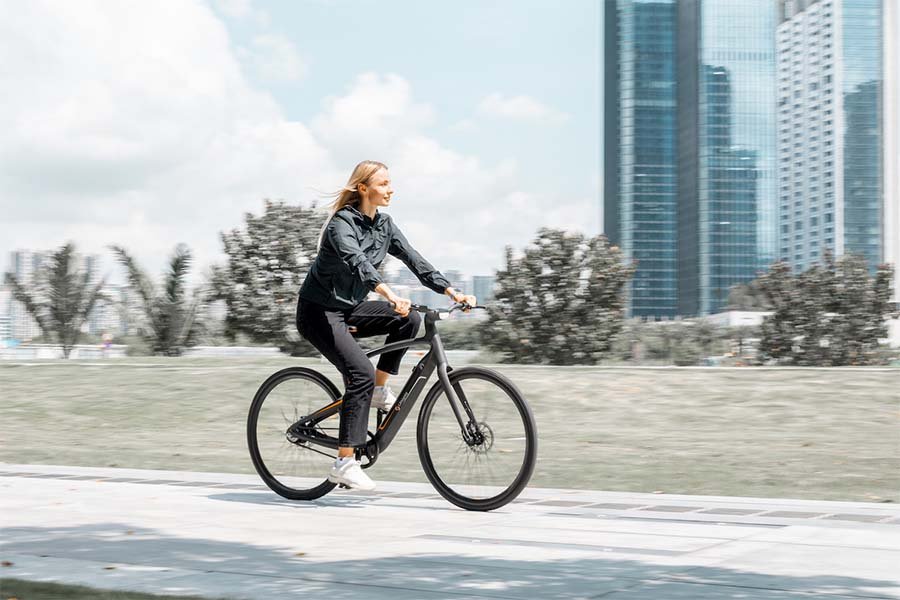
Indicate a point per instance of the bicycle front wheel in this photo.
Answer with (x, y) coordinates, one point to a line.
(291, 467)
(494, 465)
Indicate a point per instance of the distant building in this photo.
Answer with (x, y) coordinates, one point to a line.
(5, 320)
(837, 131)
(641, 149)
(24, 264)
(727, 210)
(483, 288)
(457, 280)
(690, 148)
(891, 148)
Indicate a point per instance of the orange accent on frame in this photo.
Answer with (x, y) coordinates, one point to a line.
(338, 401)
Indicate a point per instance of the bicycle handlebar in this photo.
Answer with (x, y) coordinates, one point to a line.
(463, 306)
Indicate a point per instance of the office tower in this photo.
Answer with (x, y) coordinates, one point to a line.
(483, 288)
(892, 141)
(24, 264)
(727, 214)
(457, 280)
(690, 148)
(5, 321)
(837, 130)
(640, 147)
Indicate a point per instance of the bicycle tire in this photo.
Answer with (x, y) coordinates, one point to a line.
(286, 485)
(429, 437)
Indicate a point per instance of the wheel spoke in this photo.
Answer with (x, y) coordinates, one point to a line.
(294, 469)
(487, 473)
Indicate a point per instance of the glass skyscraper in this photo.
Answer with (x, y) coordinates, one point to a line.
(640, 204)
(727, 148)
(690, 147)
(831, 130)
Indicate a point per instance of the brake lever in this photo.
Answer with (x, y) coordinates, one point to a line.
(465, 307)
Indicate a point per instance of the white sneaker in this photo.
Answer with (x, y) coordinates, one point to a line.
(383, 398)
(347, 471)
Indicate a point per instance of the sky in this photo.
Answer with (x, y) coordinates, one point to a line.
(147, 124)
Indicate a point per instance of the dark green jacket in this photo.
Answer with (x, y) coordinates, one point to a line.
(353, 247)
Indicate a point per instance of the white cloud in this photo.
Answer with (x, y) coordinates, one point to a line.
(236, 9)
(464, 126)
(243, 10)
(519, 107)
(274, 58)
(375, 113)
(133, 123)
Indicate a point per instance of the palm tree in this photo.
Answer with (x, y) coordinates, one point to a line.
(171, 315)
(61, 298)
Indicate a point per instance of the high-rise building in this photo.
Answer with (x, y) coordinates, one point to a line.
(690, 148)
(837, 130)
(483, 288)
(727, 148)
(23, 264)
(5, 321)
(640, 145)
(892, 141)
(457, 280)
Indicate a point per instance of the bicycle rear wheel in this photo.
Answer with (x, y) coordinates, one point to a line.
(493, 468)
(292, 468)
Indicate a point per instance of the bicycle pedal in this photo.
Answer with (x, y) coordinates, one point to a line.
(343, 486)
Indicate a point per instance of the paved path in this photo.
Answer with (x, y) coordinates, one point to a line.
(225, 535)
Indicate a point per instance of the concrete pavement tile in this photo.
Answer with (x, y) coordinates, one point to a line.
(102, 574)
(601, 524)
(671, 508)
(856, 518)
(791, 514)
(812, 569)
(265, 588)
(875, 537)
(730, 511)
(636, 541)
(407, 577)
(560, 503)
(615, 506)
(666, 590)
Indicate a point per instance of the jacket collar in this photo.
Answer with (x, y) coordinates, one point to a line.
(362, 219)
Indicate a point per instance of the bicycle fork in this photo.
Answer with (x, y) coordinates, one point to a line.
(457, 398)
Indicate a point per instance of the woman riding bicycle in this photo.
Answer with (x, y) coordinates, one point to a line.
(332, 307)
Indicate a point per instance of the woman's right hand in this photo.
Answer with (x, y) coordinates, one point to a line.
(401, 305)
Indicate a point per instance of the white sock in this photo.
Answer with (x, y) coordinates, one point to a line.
(344, 459)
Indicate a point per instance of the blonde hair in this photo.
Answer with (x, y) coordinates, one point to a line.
(349, 194)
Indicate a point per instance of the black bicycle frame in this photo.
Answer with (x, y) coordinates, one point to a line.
(388, 427)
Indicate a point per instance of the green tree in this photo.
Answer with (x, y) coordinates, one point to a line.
(171, 314)
(560, 303)
(747, 296)
(61, 297)
(830, 315)
(267, 261)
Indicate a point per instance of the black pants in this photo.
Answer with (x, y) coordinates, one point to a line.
(328, 330)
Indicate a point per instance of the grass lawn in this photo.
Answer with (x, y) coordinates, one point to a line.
(831, 434)
(30, 590)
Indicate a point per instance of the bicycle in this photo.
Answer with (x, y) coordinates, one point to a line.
(478, 446)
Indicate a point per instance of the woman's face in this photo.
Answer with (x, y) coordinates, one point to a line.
(378, 191)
